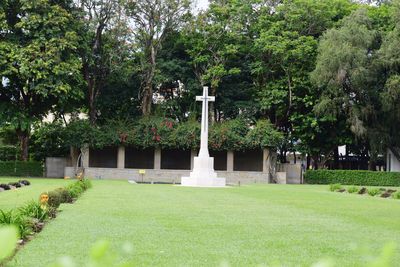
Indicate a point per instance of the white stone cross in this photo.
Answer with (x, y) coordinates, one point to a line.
(205, 98)
(203, 173)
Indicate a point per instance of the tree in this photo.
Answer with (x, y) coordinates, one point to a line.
(211, 41)
(104, 34)
(347, 70)
(38, 63)
(153, 20)
(285, 50)
(390, 96)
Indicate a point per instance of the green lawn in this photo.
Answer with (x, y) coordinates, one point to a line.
(16, 198)
(295, 225)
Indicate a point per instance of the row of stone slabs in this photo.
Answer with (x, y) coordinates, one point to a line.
(251, 160)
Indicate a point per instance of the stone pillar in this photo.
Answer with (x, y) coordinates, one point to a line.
(193, 153)
(266, 160)
(74, 154)
(85, 157)
(229, 160)
(157, 158)
(121, 157)
(266, 163)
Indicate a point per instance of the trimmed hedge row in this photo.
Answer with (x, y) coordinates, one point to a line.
(21, 168)
(352, 177)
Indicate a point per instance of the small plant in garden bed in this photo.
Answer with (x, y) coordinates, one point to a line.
(14, 185)
(25, 182)
(5, 186)
(31, 217)
(374, 191)
(363, 191)
(335, 187)
(353, 189)
(14, 218)
(396, 195)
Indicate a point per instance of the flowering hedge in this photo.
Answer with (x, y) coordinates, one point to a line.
(167, 133)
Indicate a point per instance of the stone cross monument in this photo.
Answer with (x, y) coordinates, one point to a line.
(203, 173)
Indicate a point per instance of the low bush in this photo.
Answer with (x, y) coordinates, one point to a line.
(15, 184)
(5, 186)
(25, 182)
(335, 187)
(77, 188)
(34, 210)
(352, 177)
(374, 191)
(21, 168)
(353, 189)
(20, 221)
(396, 195)
(57, 197)
(67, 194)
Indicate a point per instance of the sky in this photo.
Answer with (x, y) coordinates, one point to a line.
(202, 4)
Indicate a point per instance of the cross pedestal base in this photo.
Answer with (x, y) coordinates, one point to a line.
(203, 174)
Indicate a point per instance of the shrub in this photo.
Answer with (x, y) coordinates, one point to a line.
(77, 188)
(21, 168)
(374, 191)
(352, 177)
(33, 209)
(396, 195)
(55, 199)
(25, 182)
(15, 184)
(353, 189)
(64, 195)
(5, 186)
(335, 187)
(13, 218)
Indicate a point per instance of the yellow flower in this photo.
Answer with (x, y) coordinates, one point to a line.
(44, 198)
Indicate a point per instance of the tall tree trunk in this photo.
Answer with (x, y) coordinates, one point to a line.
(308, 161)
(315, 162)
(148, 83)
(23, 137)
(336, 158)
(372, 165)
(147, 98)
(92, 98)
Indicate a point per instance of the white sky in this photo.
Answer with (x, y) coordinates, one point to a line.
(202, 4)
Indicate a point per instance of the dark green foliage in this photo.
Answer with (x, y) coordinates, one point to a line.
(77, 188)
(237, 134)
(21, 168)
(59, 196)
(352, 177)
(64, 195)
(8, 152)
(47, 141)
(67, 194)
(55, 199)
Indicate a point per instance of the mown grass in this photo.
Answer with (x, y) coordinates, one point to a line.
(15, 198)
(243, 226)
